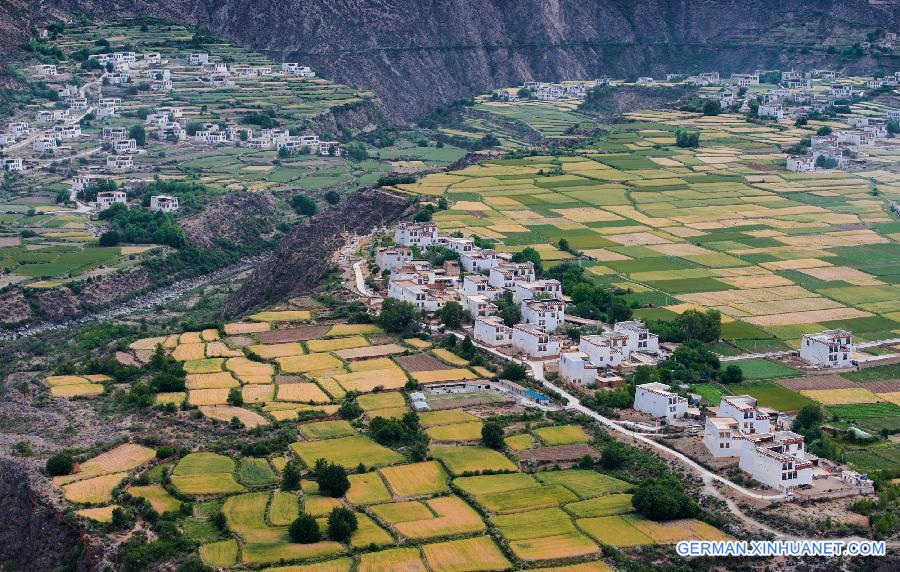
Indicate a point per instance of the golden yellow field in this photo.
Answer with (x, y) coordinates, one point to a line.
(224, 413)
(353, 329)
(219, 349)
(219, 380)
(336, 344)
(479, 553)
(246, 328)
(271, 351)
(258, 393)
(841, 396)
(94, 490)
(186, 352)
(365, 381)
(99, 514)
(449, 357)
(301, 392)
(307, 363)
(281, 316)
(79, 390)
(443, 375)
(208, 397)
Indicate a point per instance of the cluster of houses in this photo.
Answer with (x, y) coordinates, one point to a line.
(219, 74)
(844, 146)
(488, 275)
(106, 199)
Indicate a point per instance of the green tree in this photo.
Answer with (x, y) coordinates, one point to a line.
(139, 134)
(705, 326)
(663, 500)
(732, 374)
(712, 107)
(612, 457)
(304, 205)
(332, 478)
(398, 316)
(529, 254)
(110, 238)
(332, 197)
(356, 152)
(342, 524)
(235, 398)
(304, 530)
(60, 464)
(687, 139)
(290, 477)
(451, 314)
(492, 436)
(513, 371)
(824, 131)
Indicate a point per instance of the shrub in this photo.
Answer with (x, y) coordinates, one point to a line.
(492, 436)
(732, 374)
(513, 371)
(165, 452)
(110, 238)
(332, 478)
(60, 464)
(663, 500)
(342, 524)
(304, 530)
(235, 398)
(304, 205)
(290, 479)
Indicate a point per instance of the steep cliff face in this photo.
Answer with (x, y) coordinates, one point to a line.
(33, 534)
(303, 259)
(417, 53)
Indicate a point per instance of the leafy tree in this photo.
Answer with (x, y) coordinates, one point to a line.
(705, 326)
(612, 457)
(663, 500)
(235, 398)
(349, 408)
(356, 151)
(120, 518)
(513, 371)
(139, 134)
(304, 205)
(304, 530)
(110, 238)
(807, 421)
(342, 524)
(451, 314)
(530, 255)
(732, 374)
(332, 197)
(290, 477)
(824, 131)
(492, 436)
(893, 126)
(524, 93)
(165, 452)
(466, 349)
(616, 398)
(687, 139)
(332, 478)
(424, 215)
(712, 107)
(398, 316)
(60, 464)
(826, 162)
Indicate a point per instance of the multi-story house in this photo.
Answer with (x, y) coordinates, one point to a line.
(658, 401)
(491, 331)
(548, 314)
(534, 342)
(163, 203)
(393, 258)
(831, 348)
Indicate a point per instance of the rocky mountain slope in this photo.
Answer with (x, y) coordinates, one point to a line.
(417, 53)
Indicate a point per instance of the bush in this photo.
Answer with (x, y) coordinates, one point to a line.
(342, 524)
(235, 398)
(304, 205)
(165, 452)
(513, 371)
(304, 530)
(613, 457)
(60, 464)
(332, 479)
(451, 314)
(492, 436)
(332, 197)
(110, 238)
(687, 139)
(664, 500)
(398, 316)
(290, 479)
(732, 374)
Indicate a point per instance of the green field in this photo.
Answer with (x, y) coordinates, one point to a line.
(770, 394)
(877, 373)
(346, 451)
(755, 369)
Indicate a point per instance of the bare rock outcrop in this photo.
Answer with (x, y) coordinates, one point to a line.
(237, 218)
(302, 259)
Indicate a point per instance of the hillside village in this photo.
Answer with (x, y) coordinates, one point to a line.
(594, 333)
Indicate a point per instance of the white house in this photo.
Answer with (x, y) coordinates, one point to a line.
(159, 74)
(842, 90)
(51, 115)
(542, 288)
(460, 245)
(119, 162)
(44, 69)
(76, 103)
(12, 164)
(123, 146)
(214, 68)
(801, 163)
(577, 368)
(7, 139)
(152, 57)
(831, 348)
(534, 342)
(478, 304)
(492, 331)
(721, 436)
(117, 78)
(771, 110)
(478, 260)
(777, 460)
(67, 132)
(640, 339)
(161, 85)
(198, 59)
(506, 275)
(478, 285)
(330, 148)
(604, 350)
(421, 234)
(743, 409)
(745, 79)
(392, 258)
(44, 144)
(425, 297)
(18, 129)
(82, 182)
(548, 314)
(107, 199)
(164, 203)
(656, 400)
(115, 133)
